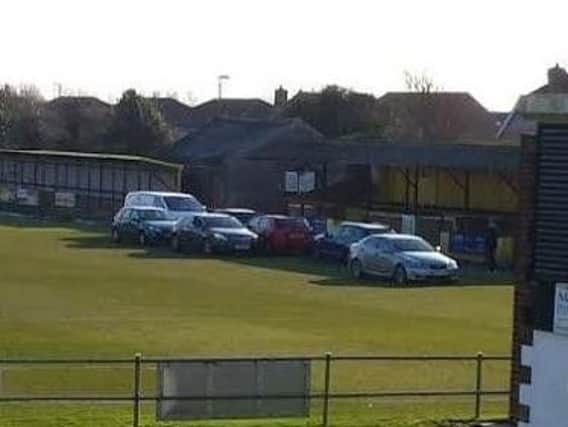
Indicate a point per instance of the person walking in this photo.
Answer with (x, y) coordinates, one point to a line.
(492, 243)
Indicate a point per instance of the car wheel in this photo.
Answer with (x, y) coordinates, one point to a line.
(142, 241)
(345, 257)
(115, 236)
(356, 269)
(399, 276)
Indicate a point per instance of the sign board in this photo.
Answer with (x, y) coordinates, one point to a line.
(291, 183)
(6, 195)
(300, 182)
(27, 197)
(468, 244)
(561, 309)
(307, 182)
(232, 389)
(65, 199)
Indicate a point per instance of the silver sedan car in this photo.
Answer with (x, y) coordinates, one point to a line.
(402, 258)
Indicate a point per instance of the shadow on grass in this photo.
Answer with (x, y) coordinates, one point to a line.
(22, 221)
(93, 241)
(103, 241)
(374, 282)
(292, 264)
(335, 274)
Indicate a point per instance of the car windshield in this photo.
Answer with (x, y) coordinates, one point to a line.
(411, 245)
(222, 222)
(182, 203)
(295, 223)
(152, 215)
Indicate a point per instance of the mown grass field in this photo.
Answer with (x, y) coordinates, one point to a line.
(66, 291)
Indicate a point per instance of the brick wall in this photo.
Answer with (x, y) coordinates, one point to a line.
(524, 290)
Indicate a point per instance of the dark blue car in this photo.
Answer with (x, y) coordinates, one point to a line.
(335, 246)
(143, 225)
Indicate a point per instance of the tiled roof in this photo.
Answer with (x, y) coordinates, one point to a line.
(229, 136)
(229, 107)
(435, 117)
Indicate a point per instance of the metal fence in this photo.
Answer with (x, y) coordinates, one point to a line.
(326, 396)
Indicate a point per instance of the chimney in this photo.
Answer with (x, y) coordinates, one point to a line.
(280, 97)
(557, 80)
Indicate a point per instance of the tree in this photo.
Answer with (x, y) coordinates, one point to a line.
(420, 83)
(336, 111)
(76, 123)
(71, 119)
(20, 117)
(137, 126)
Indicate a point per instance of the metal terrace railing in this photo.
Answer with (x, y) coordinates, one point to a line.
(324, 392)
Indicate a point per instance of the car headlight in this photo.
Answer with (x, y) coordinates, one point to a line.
(453, 265)
(219, 236)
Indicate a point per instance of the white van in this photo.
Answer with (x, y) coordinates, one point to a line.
(176, 205)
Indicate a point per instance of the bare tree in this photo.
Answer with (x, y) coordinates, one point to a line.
(420, 83)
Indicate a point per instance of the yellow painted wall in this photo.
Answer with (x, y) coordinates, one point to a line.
(491, 193)
(438, 189)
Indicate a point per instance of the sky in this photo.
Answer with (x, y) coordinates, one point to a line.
(496, 50)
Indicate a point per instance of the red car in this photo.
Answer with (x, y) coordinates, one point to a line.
(281, 233)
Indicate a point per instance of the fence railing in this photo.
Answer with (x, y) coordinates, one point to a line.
(326, 396)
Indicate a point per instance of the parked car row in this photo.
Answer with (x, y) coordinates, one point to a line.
(181, 221)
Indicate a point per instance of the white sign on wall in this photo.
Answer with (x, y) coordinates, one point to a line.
(561, 309)
(6, 194)
(307, 182)
(27, 197)
(300, 182)
(291, 182)
(64, 199)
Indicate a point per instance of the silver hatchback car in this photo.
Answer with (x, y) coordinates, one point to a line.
(402, 258)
